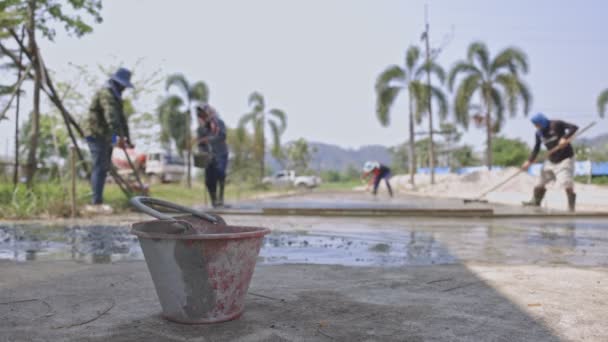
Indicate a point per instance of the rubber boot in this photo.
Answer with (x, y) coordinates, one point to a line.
(539, 194)
(213, 199)
(220, 200)
(571, 201)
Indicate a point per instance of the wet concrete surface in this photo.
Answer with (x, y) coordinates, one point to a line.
(323, 279)
(343, 241)
(351, 200)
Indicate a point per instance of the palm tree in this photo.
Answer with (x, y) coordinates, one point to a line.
(394, 79)
(259, 117)
(175, 118)
(494, 81)
(602, 102)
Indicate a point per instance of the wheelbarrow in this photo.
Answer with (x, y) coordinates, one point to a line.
(201, 267)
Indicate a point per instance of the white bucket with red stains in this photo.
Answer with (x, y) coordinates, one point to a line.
(201, 271)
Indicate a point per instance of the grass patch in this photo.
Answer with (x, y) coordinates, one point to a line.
(345, 185)
(597, 180)
(52, 199)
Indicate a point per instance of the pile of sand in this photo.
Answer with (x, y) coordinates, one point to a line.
(518, 189)
(469, 185)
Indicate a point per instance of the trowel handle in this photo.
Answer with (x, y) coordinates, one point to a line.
(141, 203)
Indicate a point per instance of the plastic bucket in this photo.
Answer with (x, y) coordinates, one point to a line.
(201, 271)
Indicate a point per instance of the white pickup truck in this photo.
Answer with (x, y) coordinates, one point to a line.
(287, 178)
(164, 168)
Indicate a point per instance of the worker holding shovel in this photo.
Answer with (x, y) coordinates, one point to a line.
(559, 166)
(105, 127)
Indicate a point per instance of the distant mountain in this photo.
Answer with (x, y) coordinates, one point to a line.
(600, 141)
(333, 157)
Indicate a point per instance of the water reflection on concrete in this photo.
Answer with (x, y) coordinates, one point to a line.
(91, 244)
(373, 242)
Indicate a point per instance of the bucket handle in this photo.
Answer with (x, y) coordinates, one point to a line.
(139, 202)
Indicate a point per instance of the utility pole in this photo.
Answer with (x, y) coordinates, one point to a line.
(425, 36)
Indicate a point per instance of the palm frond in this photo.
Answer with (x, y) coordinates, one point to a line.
(461, 67)
(420, 98)
(438, 95)
(200, 92)
(390, 77)
(510, 84)
(479, 51)
(279, 114)
(512, 58)
(498, 106)
(256, 100)
(388, 85)
(173, 122)
(526, 96)
(462, 100)
(276, 138)
(247, 118)
(433, 68)
(179, 81)
(411, 57)
(384, 101)
(602, 103)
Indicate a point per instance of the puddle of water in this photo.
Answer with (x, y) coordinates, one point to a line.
(92, 244)
(373, 249)
(374, 243)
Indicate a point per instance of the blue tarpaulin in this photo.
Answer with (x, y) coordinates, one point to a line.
(438, 170)
(599, 169)
(471, 169)
(581, 168)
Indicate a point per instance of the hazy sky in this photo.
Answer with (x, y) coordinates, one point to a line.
(318, 59)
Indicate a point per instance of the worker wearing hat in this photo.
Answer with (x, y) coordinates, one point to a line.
(105, 127)
(559, 166)
(378, 172)
(211, 138)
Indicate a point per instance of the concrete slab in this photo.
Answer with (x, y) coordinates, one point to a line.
(473, 302)
(423, 279)
(351, 203)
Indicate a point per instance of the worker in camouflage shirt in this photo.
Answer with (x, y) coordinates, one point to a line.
(105, 127)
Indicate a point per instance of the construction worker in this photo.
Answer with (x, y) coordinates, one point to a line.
(378, 173)
(105, 127)
(559, 166)
(211, 138)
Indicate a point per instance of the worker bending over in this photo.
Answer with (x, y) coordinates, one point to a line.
(378, 173)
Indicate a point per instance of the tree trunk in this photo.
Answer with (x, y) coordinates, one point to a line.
(31, 158)
(430, 104)
(189, 165)
(412, 150)
(262, 148)
(188, 148)
(431, 143)
(17, 107)
(488, 131)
